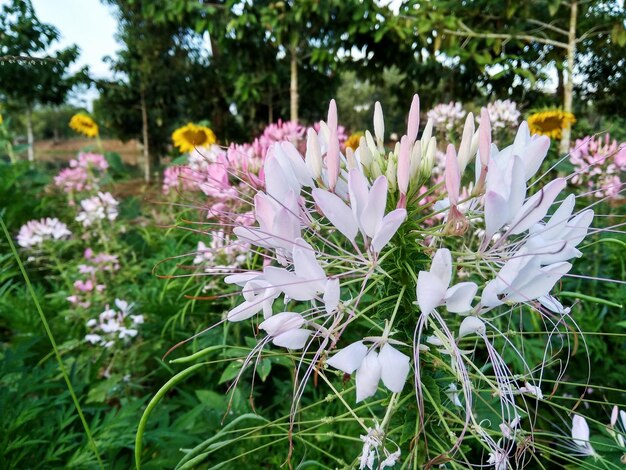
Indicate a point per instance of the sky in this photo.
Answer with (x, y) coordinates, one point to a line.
(87, 23)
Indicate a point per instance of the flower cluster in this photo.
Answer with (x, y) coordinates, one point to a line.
(218, 173)
(599, 164)
(102, 206)
(84, 173)
(503, 114)
(222, 254)
(35, 232)
(179, 178)
(447, 117)
(281, 131)
(357, 281)
(113, 326)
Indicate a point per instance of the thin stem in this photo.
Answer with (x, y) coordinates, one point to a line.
(57, 354)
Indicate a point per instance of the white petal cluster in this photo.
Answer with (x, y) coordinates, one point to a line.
(103, 206)
(35, 232)
(114, 325)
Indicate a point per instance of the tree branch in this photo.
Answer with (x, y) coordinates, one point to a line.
(524, 37)
(550, 26)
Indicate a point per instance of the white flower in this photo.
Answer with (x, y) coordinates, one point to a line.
(453, 394)
(285, 330)
(390, 365)
(580, 435)
(433, 287)
(532, 390)
(367, 211)
(96, 208)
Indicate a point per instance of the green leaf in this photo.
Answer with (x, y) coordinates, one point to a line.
(212, 399)
(231, 371)
(553, 7)
(263, 369)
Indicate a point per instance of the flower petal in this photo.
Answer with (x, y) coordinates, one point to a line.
(368, 376)
(337, 212)
(459, 297)
(580, 431)
(496, 213)
(292, 339)
(332, 296)
(357, 188)
(296, 162)
(540, 284)
(394, 367)
(282, 322)
(484, 142)
(472, 326)
(388, 228)
(349, 358)
(374, 210)
(291, 285)
(245, 310)
(442, 266)
(537, 206)
(305, 263)
(534, 155)
(430, 291)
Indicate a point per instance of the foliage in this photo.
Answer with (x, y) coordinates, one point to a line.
(42, 80)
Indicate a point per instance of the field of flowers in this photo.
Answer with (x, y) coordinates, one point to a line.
(451, 297)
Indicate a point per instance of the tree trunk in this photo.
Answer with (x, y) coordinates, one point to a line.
(293, 88)
(29, 133)
(568, 88)
(560, 91)
(144, 132)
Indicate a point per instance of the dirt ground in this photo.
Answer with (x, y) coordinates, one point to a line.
(65, 150)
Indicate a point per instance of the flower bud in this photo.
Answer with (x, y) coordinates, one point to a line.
(414, 119)
(370, 143)
(484, 140)
(416, 159)
(391, 175)
(379, 124)
(351, 159)
(375, 170)
(428, 162)
(464, 155)
(404, 165)
(313, 156)
(427, 134)
(363, 153)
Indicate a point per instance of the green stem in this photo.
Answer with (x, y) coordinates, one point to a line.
(46, 326)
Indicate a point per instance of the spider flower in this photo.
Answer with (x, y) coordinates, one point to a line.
(36, 232)
(103, 206)
(599, 165)
(360, 248)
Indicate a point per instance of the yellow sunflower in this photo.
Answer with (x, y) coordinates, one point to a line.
(84, 124)
(353, 140)
(188, 137)
(550, 122)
